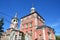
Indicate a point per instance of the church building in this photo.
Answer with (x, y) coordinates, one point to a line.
(13, 33)
(32, 27)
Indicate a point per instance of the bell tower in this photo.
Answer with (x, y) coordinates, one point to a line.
(14, 22)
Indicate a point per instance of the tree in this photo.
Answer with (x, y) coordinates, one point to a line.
(57, 37)
(23, 37)
(1, 28)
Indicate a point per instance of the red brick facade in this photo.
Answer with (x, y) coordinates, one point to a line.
(36, 21)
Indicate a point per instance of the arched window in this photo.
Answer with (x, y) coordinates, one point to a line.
(49, 36)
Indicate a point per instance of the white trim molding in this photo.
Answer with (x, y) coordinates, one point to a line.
(44, 34)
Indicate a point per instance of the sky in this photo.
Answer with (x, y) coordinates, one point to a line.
(48, 9)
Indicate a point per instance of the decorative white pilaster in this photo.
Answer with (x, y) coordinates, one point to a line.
(54, 37)
(44, 34)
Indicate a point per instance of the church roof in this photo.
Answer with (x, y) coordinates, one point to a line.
(16, 30)
(31, 14)
(10, 28)
(44, 26)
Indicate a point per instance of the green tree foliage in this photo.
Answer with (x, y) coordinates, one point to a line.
(1, 24)
(57, 37)
(23, 37)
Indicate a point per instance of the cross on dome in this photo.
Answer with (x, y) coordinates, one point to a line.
(32, 9)
(16, 14)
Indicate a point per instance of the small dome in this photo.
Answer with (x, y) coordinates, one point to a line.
(32, 9)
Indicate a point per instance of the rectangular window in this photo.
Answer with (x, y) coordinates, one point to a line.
(26, 25)
(30, 24)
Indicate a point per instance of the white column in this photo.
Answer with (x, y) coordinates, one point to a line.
(36, 23)
(54, 37)
(44, 34)
(35, 35)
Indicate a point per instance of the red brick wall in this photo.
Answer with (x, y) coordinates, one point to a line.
(39, 22)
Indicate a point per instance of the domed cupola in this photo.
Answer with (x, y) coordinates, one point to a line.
(14, 22)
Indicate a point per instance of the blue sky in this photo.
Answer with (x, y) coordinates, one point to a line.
(48, 9)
